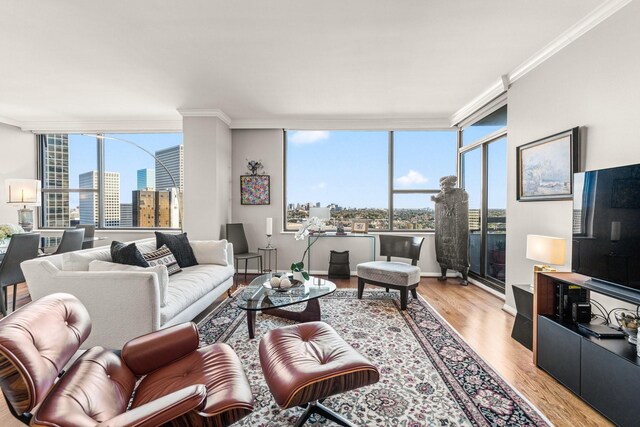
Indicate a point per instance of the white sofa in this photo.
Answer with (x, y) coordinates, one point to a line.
(126, 304)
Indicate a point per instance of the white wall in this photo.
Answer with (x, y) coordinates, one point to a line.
(593, 83)
(18, 156)
(207, 176)
(267, 146)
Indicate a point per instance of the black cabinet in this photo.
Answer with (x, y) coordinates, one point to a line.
(559, 352)
(610, 383)
(603, 372)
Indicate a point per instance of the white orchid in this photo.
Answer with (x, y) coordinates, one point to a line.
(316, 224)
(312, 224)
(8, 230)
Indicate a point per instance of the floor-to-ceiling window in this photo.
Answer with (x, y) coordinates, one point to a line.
(483, 168)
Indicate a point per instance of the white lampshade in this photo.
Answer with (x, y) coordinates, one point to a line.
(320, 213)
(23, 192)
(545, 249)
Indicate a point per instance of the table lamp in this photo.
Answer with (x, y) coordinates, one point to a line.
(547, 250)
(24, 192)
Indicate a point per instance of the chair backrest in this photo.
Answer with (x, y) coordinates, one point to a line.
(89, 233)
(235, 235)
(22, 247)
(71, 241)
(36, 342)
(401, 247)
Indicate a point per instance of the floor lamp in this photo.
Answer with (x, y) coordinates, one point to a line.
(173, 179)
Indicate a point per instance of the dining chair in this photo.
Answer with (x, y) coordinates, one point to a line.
(89, 234)
(22, 247)
(71, 241)
(236, 236)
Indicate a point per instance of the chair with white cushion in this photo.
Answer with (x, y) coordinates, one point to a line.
(400, 276)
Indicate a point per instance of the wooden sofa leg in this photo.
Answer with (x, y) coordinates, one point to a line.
(404, 296)
(387, 289)
(360, 287)
(414, 293)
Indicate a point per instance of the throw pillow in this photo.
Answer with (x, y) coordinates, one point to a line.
(122, 253)
(160, 270)
(163, 256)
(79, 261)
(179, 246)
(210, 251)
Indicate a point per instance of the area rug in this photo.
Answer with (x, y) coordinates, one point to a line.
(428, 375)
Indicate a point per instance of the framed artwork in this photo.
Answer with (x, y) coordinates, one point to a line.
(255, 190)
(546, 166)
(360, 226)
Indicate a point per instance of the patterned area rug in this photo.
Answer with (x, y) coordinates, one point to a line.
(429, 375)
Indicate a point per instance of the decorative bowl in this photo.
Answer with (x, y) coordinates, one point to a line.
(629, 324)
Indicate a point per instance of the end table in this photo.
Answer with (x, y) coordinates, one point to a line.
(267, 259)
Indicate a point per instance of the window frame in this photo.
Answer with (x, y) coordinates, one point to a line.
(482, 144)
(390, 182)
(100, 167)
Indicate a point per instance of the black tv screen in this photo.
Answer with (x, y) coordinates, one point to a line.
(606, 225)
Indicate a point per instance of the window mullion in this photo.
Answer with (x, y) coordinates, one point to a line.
(390, 180)
(101, 222)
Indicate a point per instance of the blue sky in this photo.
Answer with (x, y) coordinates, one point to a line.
(119, 157)
(350, 167)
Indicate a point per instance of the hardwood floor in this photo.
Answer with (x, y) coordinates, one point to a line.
(478, 317)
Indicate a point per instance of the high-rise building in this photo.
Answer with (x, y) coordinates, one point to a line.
(155, 209)
(143, 209)
(173, 159)
(146, 179)
(89, 201)
(126, 215)
(56, 175)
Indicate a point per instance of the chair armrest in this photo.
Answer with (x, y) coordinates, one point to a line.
(149, 352)
(161, 410)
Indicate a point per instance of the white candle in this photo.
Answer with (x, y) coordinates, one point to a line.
(269, 226)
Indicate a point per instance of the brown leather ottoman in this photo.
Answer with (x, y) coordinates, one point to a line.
(305, 363)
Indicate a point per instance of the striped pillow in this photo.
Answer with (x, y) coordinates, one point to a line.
(163, 256)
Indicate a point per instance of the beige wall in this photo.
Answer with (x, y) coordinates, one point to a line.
(207, 176)
(592, 83)
(18, 156)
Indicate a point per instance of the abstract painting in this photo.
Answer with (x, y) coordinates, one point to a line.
(546, 167)
(255, 190)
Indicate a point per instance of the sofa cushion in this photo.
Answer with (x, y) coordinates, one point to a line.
(129, 254)
(210, 251)
(163, 256)
(393, 273)
(179, 245)
(79, 261)
(191, 285)
(160, 270)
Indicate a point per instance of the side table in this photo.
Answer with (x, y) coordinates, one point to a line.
(523, 325)
(268, 252)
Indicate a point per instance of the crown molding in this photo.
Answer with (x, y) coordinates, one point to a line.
(590, 21)
(343, 124)
(132, 126)
(206, 112)
(9, 121)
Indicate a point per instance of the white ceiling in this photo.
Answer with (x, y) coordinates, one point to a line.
(263, 60)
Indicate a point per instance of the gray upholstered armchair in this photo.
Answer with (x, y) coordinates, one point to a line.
(394, 275)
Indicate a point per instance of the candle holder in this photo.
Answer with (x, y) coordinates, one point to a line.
(269, 242)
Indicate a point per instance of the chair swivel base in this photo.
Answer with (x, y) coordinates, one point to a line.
(319, 409)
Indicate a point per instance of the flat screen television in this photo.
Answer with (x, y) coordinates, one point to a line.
(606, 225)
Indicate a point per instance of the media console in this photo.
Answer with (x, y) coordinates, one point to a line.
(605, 373)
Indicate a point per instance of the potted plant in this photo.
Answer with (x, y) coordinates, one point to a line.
(297, 268)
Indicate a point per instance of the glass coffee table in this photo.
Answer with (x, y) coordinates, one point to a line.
(258, 297)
